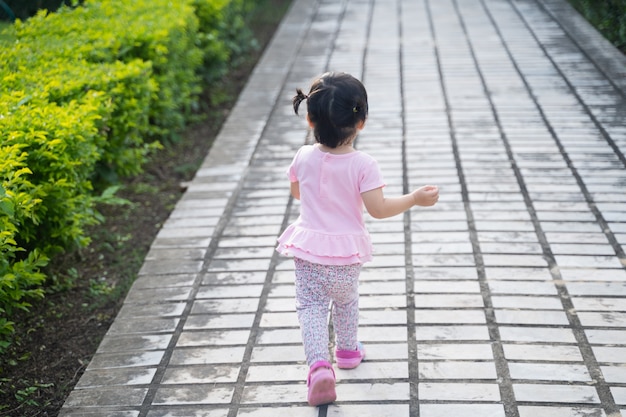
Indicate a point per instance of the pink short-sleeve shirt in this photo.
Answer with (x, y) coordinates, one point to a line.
(330, 229)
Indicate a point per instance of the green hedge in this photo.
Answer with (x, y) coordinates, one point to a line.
(608, 16)
(86, 94)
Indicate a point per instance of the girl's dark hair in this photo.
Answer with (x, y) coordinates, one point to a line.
(336, 103)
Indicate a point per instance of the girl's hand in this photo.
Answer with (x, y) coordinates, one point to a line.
(425, 196)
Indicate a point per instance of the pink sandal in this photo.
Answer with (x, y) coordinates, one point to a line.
(321, 382)
(349, 359)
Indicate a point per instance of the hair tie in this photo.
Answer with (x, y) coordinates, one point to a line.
(298, 98)
(355, 109)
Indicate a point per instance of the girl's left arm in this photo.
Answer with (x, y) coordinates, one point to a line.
(381, 207)
(295, 190)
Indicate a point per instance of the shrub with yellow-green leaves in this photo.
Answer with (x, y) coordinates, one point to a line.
(85, 95)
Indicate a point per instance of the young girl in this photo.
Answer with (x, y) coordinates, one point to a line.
(329, 241)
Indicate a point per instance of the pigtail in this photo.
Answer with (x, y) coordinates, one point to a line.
(297, 99)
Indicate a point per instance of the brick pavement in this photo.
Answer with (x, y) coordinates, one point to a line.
(508, 298)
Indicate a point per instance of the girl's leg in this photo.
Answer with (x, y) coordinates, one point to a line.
(312, 302)
(345, 296)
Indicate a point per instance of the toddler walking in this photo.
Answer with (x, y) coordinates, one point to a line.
(329, 241)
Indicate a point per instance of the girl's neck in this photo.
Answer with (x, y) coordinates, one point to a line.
(339, 150)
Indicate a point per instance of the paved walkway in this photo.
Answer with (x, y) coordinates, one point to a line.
(508, 298)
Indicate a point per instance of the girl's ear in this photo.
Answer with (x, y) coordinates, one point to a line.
(360, 125)
(308, 119)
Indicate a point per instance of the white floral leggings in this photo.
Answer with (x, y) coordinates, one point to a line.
(316, 286)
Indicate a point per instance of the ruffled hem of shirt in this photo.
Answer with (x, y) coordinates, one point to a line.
(324, 248)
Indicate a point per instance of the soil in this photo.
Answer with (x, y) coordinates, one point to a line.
(55, 341)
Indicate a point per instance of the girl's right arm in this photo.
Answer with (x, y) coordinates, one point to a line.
(295, 190)
(381, 207)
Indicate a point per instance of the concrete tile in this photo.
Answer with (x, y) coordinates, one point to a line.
(234, 278)
(151, 310)
(476, 393)
(149, 295)
(387, 261)
(219, 321)
(115, 344)
(201, 374)
(573, 237)
(197, 411)
(440, 316)
(229, 291)
(197, 394)
(440, 260)
(597, 289)
(247, 241)
(610, 354)
(539, 393)
(175, 253)
(293, 411)
(117, 376)
(371, 370)
(580, 261)
(514, 260)
(101, 412)
(277, 354)
(506, 237)
(370, 410)
(603, 319)
(619, 393)
(274, 394)
(276, 305)
(556, 411)
(451, 370)
(511, 247)
(125, 360)
(382, 301)
(461, 410)
(283, 290)
(280, 336)
(382, 334)
(537, 302)
(549, 353)
(386, 351)
(382, 317)
(425, 287)
(207, 355)
(581, 249)
(165, 267)
(599, 304)
(448, 301)
(450, 333)
(592, 274)
(204, 232)
(286, 276)
(227, 305)
(454, 351)
(161, 281)
(381, 287)
(373, 392)
(239, 265)
(277, 373)
(213, 338)
(614, 374)
(103, 397)
(289, 319)
(537, 334)
(537, 317)
(549, 372)
(441, 273)
(606, 337)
